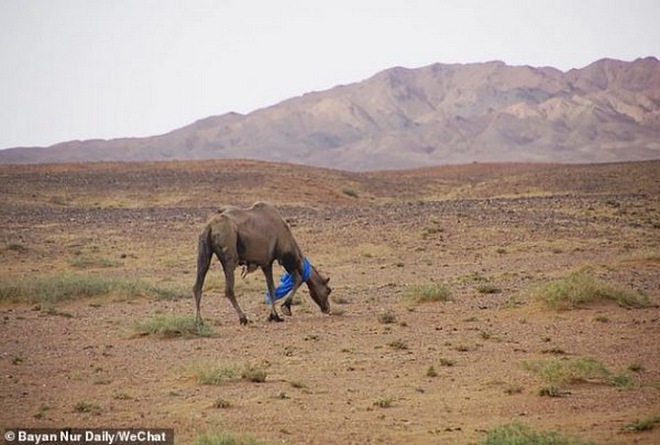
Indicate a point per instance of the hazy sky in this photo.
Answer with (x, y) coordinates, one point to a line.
(81, 69)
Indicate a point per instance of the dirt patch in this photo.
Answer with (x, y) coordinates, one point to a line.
(435, 372)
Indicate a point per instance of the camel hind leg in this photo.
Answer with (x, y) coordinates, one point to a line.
(204, 254)
(228, 267)
(225, 240)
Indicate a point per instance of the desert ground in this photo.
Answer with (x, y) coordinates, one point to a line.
(484, 242)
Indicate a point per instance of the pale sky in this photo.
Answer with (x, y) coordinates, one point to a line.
(83, 69)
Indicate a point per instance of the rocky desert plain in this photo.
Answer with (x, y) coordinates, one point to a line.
(452, 307)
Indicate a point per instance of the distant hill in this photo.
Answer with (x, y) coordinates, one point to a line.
(404, 118)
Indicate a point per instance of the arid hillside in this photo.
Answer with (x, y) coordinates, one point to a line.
(468, 301)
(405, 118)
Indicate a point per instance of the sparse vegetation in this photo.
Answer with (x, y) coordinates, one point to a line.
(446, 362)
(488, 289)
(636, 367)
(387, 317)
(136, 225)
(221, 403)
(298, 385)
(430, 231)
(338, 299)
(41, 413)
(581, 288)
(51, 309)
(554, 351)
(519, 434)
(214, 375)
(428, 293)
(88, 407)
(398, 344)
(254, 373)
(208, 374)
(514, 389)
(224, 438)
(384, 402)
(17, 248)
(642, 425)
(569, 371)
(171, 326)
(350, 192)
(51, 289)
(463, 348)
(622, 381)
(87, 262)
(550, 391)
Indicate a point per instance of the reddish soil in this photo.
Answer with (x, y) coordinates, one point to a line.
(348, 377)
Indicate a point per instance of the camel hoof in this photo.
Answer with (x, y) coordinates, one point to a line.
(275, 317)
(243, 320)
(286, 309)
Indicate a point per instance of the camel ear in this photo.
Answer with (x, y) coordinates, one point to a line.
(326, 280)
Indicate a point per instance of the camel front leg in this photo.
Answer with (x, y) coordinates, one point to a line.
(268, 272)
(288, 299)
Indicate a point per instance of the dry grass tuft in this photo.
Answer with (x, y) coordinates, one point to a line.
(581, 288)
(428, 293)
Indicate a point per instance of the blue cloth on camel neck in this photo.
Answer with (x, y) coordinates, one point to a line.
(286, 281)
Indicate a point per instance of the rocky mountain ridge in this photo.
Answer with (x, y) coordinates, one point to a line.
(405, 118)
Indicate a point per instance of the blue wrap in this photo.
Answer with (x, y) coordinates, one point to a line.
(286, 281)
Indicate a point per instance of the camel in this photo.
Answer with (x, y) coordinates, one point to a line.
(255, 238)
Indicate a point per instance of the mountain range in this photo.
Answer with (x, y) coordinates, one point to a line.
(405, 118)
